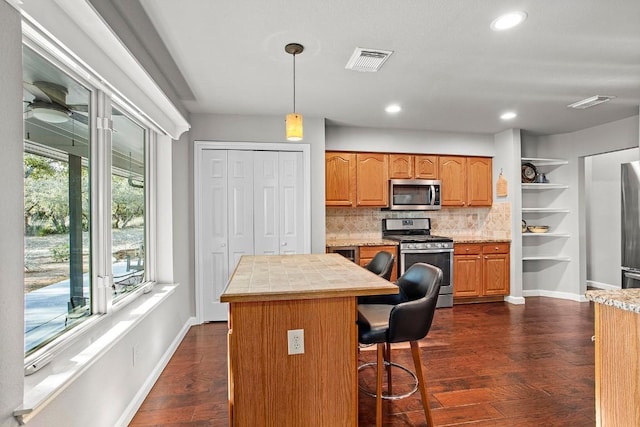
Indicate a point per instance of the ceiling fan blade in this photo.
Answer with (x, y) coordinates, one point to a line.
(36, 91)
(57, 93)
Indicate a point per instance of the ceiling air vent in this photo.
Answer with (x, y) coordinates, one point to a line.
(367, 60)
(590, 102)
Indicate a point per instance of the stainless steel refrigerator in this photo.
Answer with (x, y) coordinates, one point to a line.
(630, 179)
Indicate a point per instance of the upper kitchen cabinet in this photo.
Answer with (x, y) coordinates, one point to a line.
(426, 167)
(409, 166)
(479, 178)
(340, 179)
(466, 181)
(453, 174)
(356, 179)
(372, 172)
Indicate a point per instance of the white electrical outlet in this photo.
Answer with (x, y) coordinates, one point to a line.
(296, 341)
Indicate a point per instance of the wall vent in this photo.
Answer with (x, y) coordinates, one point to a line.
(590, 102)
(367, 60)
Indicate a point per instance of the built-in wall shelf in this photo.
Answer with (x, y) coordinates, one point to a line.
(546, 258)
(544, 162)
(538, 242)
(543, 186)
(545, 210)
(528, 234)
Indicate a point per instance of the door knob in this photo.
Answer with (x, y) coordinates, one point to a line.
(284, 243)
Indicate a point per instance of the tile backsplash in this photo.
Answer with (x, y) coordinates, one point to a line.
(494, 221)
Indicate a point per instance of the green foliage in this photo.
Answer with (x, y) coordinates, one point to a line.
(46, 198)
(46, 195)
(37, 167)
(60, 253)
(127, 202)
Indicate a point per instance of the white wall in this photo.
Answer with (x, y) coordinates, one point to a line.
(602, 201)
(11, 243)
(507, 147)
(349, 138)
(568, 279)
(183, 220)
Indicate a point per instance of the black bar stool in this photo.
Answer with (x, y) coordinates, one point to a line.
(408, 320)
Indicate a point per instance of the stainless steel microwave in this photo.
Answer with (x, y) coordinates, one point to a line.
(414, 194)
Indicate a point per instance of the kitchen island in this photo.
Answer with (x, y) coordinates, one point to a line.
(617, 354)
(270, 295)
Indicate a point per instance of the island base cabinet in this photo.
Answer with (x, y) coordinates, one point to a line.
(617, 366)
(269, 387)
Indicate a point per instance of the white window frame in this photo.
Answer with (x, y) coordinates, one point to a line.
(103, 98)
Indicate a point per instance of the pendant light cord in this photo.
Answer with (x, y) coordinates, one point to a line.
(294, 82)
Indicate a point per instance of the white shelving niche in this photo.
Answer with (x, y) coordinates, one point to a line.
(538, 210)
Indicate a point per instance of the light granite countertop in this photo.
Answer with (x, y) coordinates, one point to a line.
(479, 239)
(359, 241)
(304, 276)
(624, 299)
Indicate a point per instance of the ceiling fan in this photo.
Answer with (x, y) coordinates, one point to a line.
(49, 103)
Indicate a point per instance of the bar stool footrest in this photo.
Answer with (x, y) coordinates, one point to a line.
(393, 396)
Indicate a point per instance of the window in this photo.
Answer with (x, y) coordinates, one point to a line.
(127, 204)
(83, 225)
(56, 201)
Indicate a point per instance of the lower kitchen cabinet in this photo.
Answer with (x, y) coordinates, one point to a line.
(368, 252)
(467, 270)
(481, 272)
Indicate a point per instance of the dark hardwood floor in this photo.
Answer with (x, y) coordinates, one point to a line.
(491, 364)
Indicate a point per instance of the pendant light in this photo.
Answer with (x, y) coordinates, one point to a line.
(293, 122)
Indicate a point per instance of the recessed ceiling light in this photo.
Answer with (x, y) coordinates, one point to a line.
(508, 20)
(393, 108)
(508, 115)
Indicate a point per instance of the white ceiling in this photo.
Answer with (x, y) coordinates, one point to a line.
(449, 70)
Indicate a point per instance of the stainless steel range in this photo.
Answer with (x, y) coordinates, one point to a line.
(418, 245)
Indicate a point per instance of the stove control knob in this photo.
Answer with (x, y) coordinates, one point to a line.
(428, 245)
(439, 245)
(411, 246)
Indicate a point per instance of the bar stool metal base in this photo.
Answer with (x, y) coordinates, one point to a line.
(392, 396)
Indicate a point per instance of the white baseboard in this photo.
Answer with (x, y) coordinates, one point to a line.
(600, 285)
(554, 294)
(138, 399)
(514, 300)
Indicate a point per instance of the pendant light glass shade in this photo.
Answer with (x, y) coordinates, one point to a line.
(293, 126)
(293, 122)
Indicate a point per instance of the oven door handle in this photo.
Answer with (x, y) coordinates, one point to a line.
(629, 275)
(425, 251)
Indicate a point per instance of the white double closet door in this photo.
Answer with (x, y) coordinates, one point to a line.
(251, 203)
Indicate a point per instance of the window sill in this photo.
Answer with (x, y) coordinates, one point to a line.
(43, 386)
